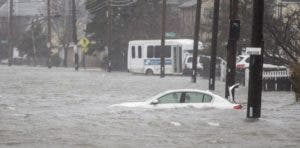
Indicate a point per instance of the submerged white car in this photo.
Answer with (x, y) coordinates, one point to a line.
(184, 98)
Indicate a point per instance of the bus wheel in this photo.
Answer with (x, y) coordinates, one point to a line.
(149, 72)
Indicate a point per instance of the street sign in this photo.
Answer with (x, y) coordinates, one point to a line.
(170, 34)
(4, 41)
(84, 42)
(253, 50)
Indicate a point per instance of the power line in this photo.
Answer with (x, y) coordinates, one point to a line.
(112, 3)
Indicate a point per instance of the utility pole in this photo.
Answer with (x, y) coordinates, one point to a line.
(256, 62)
(49, 43)
(83, 60)
(33, 42)
(196, 40)
(214, 43)
(163, 37)
(109, 35)
(279, 7)
(66, 38)
(74, 28)
(10, 32)
(232, 46)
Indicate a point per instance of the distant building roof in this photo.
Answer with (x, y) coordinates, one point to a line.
(173, 2)
(188, 4)
(291, 1)
(24, 8)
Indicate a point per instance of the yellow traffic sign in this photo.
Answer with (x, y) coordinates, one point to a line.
(84, 42)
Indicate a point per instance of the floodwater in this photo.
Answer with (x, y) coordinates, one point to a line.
(59, 107)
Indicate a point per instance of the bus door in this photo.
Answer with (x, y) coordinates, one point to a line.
(136, 63)
(139, 61)
(177, 59)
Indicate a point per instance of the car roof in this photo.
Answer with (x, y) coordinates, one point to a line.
(190, 90)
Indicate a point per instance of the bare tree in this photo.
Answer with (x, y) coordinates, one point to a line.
(283, 42)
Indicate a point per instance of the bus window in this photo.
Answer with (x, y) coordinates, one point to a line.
(157, 51)
(133, 52)
(167, 52)
(140, 52)
(150, 52)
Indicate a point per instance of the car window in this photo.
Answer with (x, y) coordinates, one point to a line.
(170, 98)
(190, 59)
(195, 97)
(207, 98)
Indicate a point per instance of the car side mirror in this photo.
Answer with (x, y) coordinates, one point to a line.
(154, 102)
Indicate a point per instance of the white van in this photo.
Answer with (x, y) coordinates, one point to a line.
(188, 64)
(144, 55)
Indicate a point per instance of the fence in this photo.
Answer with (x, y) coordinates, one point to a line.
(273, 79)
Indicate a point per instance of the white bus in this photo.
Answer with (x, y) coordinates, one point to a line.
(144, 55)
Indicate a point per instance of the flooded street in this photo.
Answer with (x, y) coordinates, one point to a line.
(63, 108)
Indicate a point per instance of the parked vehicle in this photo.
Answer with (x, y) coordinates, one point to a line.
(188, 65)
(220, 67)
(144, 55)
(16, 61)
(273, 73)
(4, 61)
(244, 60)
(183, 98)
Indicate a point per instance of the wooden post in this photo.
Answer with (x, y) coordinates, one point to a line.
(256, 62)
(214, 42)
(196, 40)
(10, 33)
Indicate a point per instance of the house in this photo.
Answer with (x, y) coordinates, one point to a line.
(187, 19)
(29, 12)
(24, 11)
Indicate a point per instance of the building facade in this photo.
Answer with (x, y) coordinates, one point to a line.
(187, 19)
